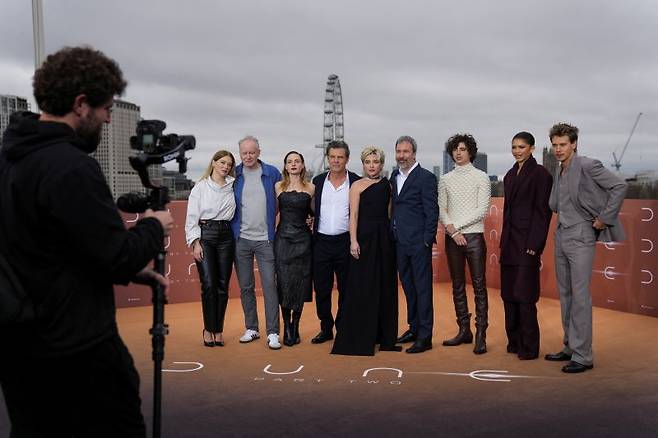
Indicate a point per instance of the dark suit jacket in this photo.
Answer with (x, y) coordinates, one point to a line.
(415, 211)
(598, 193)
(318, 182)
(526, 214)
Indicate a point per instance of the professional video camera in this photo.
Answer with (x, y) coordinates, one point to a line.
(156, 148)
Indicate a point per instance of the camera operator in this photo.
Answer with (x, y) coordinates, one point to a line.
(68, 373)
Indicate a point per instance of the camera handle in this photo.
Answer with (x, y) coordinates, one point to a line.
(158, 199)
(158, 332)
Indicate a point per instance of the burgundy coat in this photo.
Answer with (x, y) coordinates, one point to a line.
(526, 214)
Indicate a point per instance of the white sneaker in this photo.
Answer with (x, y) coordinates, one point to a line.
(273, 341)
(249, 336)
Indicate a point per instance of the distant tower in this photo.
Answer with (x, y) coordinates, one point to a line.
(437, 172)
(8, 105)
(549, 161)
(448, 164)
(114, 150)
(481, 161)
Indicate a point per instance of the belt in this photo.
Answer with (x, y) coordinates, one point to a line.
(333, 237)
(212, 221)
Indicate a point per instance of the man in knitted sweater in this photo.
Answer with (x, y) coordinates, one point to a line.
(464, 196)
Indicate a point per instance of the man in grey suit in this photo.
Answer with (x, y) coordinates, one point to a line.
(587, 198)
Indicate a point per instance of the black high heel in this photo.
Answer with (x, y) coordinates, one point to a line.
(207, 343)
(218, 343)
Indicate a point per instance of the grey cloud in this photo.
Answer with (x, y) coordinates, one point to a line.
(220, 70)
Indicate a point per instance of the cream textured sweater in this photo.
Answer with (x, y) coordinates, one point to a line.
(464, 197)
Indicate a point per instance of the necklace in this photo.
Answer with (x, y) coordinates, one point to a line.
(374, 177)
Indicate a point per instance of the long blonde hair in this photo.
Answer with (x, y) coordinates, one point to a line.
(285, 180)
(219, 154)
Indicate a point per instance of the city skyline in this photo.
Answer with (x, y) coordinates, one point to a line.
(219, 71)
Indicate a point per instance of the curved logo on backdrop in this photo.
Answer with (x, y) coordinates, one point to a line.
(650, 217)
(493, 235)
(493, 259)
(650, 242)
(649, 275)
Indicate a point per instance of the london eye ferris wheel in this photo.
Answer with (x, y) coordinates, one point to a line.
(333, 128)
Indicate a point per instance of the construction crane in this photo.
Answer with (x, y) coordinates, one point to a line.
(617, 161)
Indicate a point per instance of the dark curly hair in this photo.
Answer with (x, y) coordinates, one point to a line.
(468, 140)
(562, 129)
(73, 71)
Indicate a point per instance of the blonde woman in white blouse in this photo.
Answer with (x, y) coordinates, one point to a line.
(464, 197)
(210, 208)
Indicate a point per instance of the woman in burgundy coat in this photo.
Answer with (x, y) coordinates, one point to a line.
(526, 218)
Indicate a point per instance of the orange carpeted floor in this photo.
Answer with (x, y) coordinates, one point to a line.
(248, 390)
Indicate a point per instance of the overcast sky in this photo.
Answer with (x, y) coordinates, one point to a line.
(222, 69)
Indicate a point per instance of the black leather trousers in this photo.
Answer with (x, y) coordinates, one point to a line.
(215, 272)
(475, 254)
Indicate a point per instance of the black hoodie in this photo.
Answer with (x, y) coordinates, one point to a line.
(64, 237)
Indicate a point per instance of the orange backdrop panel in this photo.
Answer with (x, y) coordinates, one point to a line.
(624, 275)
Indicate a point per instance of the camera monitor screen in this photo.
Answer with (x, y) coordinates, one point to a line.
(147, 142)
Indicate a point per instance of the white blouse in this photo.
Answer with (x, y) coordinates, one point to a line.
(208, 201)
(464, 197)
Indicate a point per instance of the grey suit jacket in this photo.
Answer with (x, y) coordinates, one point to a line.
(597, 193)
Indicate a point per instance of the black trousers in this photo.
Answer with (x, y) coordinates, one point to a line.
(331, 256)
(94, 393)
(215, 272)
(415, 269)
(522, 329)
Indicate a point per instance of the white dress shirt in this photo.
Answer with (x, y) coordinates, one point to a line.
(335, 208)
(208, 201)
(401, 177)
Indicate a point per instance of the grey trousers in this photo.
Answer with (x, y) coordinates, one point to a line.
(574, 256)
(245, 251)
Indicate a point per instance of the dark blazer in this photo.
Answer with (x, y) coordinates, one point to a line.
(526, 214)
(318, 182)
(415, 211)
(599, 194)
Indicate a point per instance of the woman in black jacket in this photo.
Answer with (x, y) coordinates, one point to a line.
(526, 218)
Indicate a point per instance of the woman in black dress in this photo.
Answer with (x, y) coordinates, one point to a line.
(369, 315)
(526, 217)
(292, 244)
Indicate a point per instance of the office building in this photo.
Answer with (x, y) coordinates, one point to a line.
(114, 150)
(8, 105)
(549, 161)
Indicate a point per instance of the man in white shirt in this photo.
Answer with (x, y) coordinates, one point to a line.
(331, 238)
(464, 197)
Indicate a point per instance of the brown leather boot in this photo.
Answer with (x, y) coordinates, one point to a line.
(464, 336)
